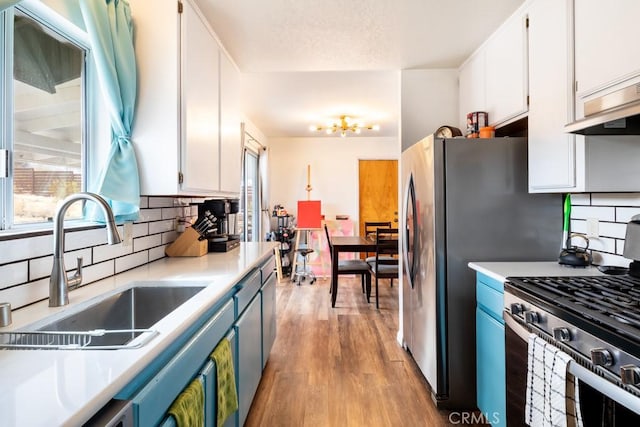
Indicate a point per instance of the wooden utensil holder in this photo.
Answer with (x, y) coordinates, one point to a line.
(188, 244)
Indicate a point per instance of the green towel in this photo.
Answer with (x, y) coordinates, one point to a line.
(188, 408)
(226, 387)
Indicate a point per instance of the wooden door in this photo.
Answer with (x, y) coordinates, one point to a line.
(378, 189)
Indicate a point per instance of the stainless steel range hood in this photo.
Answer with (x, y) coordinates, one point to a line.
(617, 113)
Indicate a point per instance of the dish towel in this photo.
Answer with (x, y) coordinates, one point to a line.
(188, 408)
(227, 402)
(552, 398)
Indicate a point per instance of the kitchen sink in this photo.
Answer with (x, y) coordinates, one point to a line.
(121, 320)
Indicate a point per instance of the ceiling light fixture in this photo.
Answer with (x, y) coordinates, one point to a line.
(345, 126)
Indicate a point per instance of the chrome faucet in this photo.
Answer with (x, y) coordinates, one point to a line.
(59, 282)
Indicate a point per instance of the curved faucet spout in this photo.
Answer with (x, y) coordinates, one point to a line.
(59, 282)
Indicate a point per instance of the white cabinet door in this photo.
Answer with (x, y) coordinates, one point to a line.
(230, 131)
(552, 156)
(200, 104)
(605, 38)
(472, 87)
(506, 71)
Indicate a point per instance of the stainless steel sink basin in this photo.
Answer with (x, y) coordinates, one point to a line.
(113, 322)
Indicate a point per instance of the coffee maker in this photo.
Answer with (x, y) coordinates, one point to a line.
(226, 213)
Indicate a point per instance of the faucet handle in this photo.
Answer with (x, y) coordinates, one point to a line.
(75, 280)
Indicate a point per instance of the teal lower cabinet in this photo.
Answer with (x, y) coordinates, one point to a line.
(490, 350)
(268, 292)
(249, 361)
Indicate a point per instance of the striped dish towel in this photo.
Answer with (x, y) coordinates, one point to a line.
(552, 398)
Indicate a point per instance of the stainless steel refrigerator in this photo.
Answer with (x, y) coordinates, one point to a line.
(464, 200)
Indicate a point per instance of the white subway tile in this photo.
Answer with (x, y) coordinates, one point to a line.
(169, 237)
(603, 213)
(131, 261)
(85, 238)
(624, 214)
(602, 244)
(619, 247)
(41, 267)
(105, 252)
(161, 226)
(141, 229)
(194, 211)
(157, 252)
(578, 226)
(30, 247)
(612, 229)
(615, 199)
(182, 201)
(160, 202)
(147, 215)
(144, 202)
(26, 294)
(13, 274)
(199, 200)
(600, 258)
(583, 199)
(98, 271)
(143, 243)
(172, 213)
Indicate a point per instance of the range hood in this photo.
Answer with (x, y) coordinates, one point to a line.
(617, 113)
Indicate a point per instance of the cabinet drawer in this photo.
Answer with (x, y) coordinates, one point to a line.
(250, 287)
(156, 397)
(267, 269)
(490, 300)
(491, 370)
(492, 283)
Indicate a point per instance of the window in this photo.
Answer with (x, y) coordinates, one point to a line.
(45, 116)
(250, 203)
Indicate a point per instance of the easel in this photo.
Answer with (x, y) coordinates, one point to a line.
(309, 219)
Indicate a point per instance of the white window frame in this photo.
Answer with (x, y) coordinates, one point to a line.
(92, 107)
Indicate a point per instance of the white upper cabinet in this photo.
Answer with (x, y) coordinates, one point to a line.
(230, 130)
(506, 60)
(552, 152)
(605, 56)
(472, 88)
(179, 131)
(494, 78)
(200, 105)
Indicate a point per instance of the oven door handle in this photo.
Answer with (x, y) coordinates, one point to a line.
(604, 386)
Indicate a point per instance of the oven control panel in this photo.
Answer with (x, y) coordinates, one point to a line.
(587, 349)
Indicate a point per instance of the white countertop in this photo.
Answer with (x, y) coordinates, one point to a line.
(66, 387)
(501, 270)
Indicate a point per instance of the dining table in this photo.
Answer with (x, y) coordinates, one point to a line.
(343, 244)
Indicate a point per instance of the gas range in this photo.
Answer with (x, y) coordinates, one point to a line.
(595, 318)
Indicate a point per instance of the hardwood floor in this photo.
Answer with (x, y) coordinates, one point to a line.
(340, 366)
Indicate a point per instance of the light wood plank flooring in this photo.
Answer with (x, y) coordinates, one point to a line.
(340, 366)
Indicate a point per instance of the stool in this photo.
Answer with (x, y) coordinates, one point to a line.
(300, 276)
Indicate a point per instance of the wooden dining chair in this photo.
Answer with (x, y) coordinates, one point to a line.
(370, 228)
(350, 266)
(385, 264)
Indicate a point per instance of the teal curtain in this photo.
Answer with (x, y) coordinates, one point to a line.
(110, 32)
(8, 3)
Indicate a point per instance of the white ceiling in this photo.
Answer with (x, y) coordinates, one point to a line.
(307, 61)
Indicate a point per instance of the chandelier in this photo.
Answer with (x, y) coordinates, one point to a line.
(345, 126)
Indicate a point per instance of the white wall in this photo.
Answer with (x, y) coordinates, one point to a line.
(334, 170)
(429, 100)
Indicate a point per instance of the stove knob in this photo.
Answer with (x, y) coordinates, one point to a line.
(516, 308)
(601, 357)
(531, 316)
(562, 334)
(630, 374)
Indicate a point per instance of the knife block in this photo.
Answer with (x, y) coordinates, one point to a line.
(187, 245)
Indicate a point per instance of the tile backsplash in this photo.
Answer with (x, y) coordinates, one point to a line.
(25, 263)
(612, 211)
